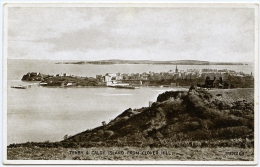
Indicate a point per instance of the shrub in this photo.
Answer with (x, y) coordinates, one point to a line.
(108, 133)
(191, 126)
(232, 132)
(227, 121)
(199, 134)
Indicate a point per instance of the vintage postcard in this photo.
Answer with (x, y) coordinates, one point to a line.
(130, 83)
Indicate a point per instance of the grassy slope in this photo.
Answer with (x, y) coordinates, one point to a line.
(232, 95)
(174, 154)
(207, 123)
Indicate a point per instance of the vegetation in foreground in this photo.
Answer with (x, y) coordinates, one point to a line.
(132, 153)
(187, 121)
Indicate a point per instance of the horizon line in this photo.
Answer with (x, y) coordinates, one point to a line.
(133, 60)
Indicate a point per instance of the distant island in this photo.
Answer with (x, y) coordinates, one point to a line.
(176, 62)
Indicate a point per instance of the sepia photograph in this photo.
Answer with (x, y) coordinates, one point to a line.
(130, 83)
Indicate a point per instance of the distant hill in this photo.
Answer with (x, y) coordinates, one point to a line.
(176, 62)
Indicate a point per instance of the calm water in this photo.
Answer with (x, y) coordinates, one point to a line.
(40, 113)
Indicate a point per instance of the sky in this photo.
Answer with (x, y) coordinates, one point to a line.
(132, 33)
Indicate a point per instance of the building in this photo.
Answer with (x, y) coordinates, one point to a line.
(176, 70)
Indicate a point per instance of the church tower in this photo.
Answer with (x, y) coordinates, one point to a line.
(176, 70)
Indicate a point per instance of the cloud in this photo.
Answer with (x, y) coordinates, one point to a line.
(150, 33)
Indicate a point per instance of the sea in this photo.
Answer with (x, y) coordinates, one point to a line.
(39, 114)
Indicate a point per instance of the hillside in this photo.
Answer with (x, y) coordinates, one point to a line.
(177, 118)
(210, 123)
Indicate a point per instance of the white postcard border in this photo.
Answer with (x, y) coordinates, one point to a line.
(126, 4)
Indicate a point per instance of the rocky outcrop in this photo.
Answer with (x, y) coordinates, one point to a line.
(34, 76)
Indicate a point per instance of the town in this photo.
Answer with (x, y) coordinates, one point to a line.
(205, 78)
(208, 78)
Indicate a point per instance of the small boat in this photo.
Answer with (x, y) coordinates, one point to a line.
(43, 84)
(122, 87)
(19, 87)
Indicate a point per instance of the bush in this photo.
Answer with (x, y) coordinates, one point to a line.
(232, 132)
(191, 126)
(227, 121)
(199, 135)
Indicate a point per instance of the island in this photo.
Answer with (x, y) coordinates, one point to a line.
(176, 62)
(60, 80)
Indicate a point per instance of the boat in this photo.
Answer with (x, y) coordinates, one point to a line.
(43, 84)
(122, 87)
(19, 87)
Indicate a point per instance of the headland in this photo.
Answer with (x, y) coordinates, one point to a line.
(210, 123)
